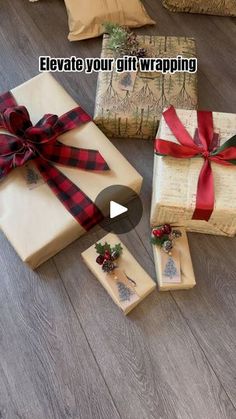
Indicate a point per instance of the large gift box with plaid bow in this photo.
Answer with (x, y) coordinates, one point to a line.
(194, 171)
(54, 162)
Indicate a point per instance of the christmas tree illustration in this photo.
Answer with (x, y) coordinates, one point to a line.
(127, 80)
(170, 269)
(184, 95)
(125, 293)
(32, 176)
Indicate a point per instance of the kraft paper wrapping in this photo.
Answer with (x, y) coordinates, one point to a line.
(210, 7)
(126, 263)
(175, 182)
(136, 113)
(186, 268)
(32, 218)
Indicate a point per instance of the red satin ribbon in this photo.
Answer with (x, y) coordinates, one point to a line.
(224, 155)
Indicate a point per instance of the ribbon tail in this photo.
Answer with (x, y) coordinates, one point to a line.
(79, 205)
(66, 155)
(6, 166)
(205, 193)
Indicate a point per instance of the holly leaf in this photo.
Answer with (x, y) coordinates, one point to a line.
(117, 248)
(101, 248)
(107, 247)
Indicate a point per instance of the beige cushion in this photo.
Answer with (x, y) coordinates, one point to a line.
(211, 7)
(86, 17)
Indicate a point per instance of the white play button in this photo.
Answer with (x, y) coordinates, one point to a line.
(116, 209)
(117, 218)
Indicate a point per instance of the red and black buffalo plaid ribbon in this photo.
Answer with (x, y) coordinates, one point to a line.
(23, 142)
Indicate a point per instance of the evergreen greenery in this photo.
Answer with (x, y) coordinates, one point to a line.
(159, 240)
(118, 36)
(122, 41)
(101, 248)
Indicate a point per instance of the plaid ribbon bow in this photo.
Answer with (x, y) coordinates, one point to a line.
(24, 142)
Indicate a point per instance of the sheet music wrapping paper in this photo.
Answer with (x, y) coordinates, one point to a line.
(175, 182)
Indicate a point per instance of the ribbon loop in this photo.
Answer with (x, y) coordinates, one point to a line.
(16, 120)
(205, 129)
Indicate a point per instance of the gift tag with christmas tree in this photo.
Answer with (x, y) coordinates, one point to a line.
(127, 80)
(32, 176)
(172, 258)
(171, 273)
(119, 272)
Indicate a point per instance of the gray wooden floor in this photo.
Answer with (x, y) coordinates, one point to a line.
(65, 349)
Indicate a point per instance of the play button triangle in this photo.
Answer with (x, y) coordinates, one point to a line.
(116, 209)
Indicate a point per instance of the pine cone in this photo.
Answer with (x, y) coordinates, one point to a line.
(141, 52)
(108, 266)
(176, 234)
(167, 246)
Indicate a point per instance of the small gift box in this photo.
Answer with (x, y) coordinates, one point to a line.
(194, 172)
(129, 105)
(119, 272)
(65, 161)
(172, 258)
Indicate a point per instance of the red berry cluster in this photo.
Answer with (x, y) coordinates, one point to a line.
(107, 259)
(101, 258)
(161, 231)
(165, 236)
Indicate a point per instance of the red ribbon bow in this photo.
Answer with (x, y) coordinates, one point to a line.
(224, 155)
(39, 143)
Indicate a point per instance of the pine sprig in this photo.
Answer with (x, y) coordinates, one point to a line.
(122, 41)
(101, 248)
(117, 248)
(159, 240)
(110, 27)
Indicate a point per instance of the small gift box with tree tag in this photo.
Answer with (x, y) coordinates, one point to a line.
(119, 272)
(172, 258)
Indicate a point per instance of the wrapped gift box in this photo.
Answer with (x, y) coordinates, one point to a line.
(32, 218)
(127, 267)
(181, 256)
(135, 113)
(210, 7)
(175, 181)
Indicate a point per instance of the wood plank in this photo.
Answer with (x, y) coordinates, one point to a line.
(209, 309)
(47, 367)
(151, 356)
(27, 39)
(174, 356)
